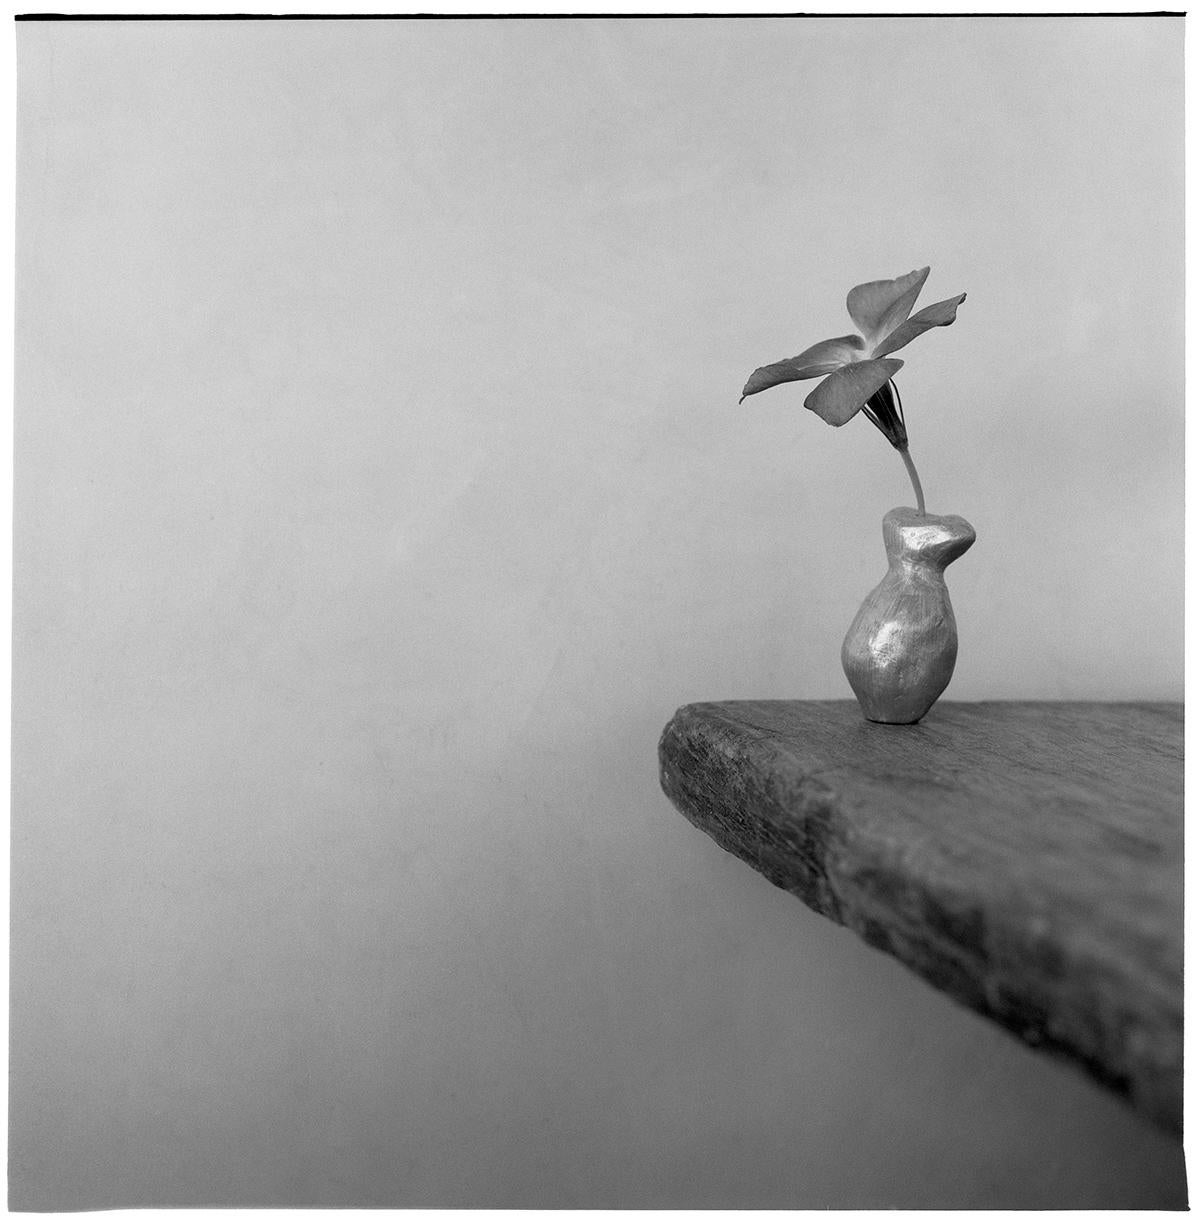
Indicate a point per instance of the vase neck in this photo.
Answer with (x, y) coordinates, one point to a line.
(925, 542)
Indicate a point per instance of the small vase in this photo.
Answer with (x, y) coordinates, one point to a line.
(900, 650)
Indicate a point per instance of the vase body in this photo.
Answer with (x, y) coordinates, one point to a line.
(900, 650)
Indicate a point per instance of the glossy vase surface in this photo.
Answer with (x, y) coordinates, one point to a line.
(900, 650)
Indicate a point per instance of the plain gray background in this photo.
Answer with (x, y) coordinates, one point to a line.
(381, 489)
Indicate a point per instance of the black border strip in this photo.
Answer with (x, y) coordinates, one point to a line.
(528, 16)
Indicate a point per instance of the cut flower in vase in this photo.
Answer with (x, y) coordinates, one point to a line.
(855, 371)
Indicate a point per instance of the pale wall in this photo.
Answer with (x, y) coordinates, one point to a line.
(381, 490)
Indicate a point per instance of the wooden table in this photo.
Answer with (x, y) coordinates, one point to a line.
(1025, 858)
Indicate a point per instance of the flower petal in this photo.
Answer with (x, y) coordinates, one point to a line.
(880, 307)
(939, 315)
(837, 398)
(820, 359)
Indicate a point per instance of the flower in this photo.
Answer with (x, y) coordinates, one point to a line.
(856, 367)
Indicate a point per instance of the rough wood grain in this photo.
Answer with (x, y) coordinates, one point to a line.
(1026, 858)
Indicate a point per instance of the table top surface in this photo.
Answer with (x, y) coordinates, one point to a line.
(1025, 857)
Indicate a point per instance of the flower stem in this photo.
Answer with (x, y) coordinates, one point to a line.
(916, 481)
